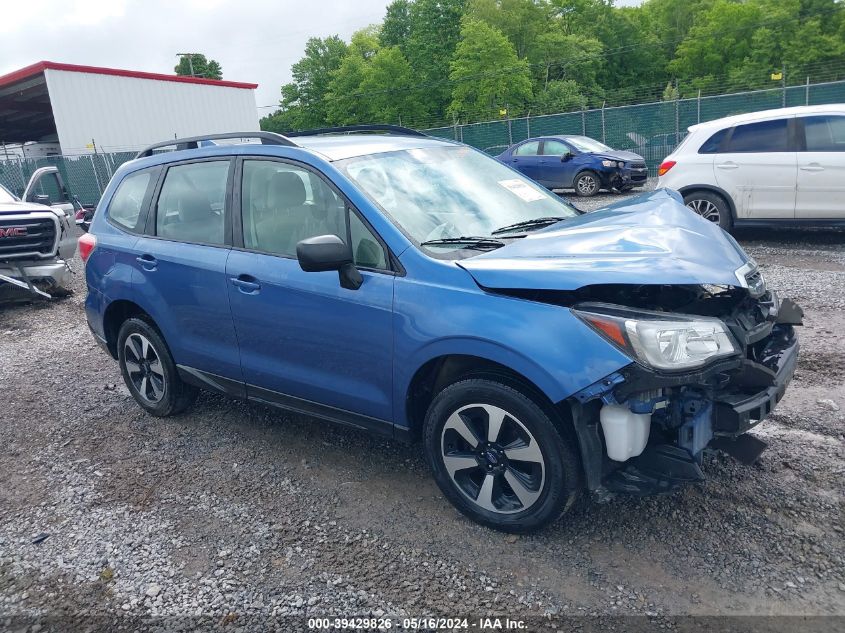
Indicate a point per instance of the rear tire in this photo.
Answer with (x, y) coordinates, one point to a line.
(499, 457)
(587, 184)
(149, 371)
(711, 206)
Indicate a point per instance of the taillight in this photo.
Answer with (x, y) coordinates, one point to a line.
(87, 242)
(665, 166)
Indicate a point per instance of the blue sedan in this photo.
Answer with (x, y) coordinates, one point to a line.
(576, 162)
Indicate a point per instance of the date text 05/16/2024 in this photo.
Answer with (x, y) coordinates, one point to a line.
(418, 624)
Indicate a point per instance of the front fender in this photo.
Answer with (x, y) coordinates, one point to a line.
(545, 343)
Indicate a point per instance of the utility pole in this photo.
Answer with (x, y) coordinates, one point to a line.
(190, 57)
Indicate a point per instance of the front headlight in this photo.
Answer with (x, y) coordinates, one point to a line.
(608, 163)
(665, 342)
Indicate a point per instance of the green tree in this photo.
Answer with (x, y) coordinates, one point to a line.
(486, 73)
(735, 45)
(670, 92)
(434, 35)
(197, 65)
(304, 98)
(522, 21)
(396, 26)
(342, 101)
(343, 104)
(555, 56)
(732, 25)
(580, 16)
(559, 96)
(389, 88)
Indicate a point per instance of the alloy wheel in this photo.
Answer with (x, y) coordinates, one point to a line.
(492, 458)
(587, 184)
(144, 367)
(706, 209)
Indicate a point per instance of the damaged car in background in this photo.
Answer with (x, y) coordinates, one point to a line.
(417, 288)
(36, 239)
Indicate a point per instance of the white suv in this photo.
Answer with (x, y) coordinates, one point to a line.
(773, 167)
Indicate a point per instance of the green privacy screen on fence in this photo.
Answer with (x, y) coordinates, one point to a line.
(650, 129)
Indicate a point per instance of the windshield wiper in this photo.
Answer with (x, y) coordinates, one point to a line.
(536, 223)
(467, 240)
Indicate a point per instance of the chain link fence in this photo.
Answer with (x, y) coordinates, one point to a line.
(85, 176)
(652, 130)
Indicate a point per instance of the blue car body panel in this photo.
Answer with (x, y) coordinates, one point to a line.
(358, 350)
(304, 335)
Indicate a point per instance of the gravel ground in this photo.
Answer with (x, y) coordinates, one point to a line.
(240, 517)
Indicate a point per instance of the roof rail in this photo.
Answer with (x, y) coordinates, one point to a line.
(344, 129)
(267, 138)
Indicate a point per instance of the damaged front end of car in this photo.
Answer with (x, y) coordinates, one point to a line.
(710, 362)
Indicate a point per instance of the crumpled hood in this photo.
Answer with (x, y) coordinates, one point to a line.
(649, 239)
(627, 157)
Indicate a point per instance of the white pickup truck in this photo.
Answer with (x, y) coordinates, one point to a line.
(37, 238)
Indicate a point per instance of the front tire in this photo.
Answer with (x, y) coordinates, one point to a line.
(499, 457)
(711, 206)
(149, 371)
(587, 184)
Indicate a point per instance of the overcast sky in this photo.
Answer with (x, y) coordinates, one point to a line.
(254, 40)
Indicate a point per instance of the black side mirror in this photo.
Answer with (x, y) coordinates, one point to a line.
(329, 252)
(566, 157)
(42, 198)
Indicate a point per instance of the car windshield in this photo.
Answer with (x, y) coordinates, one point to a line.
(587, 144)
(438, 193)
(5, 196)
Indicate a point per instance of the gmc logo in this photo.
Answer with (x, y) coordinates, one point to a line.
(12, 231)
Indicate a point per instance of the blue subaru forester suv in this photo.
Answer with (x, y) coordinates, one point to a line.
(417, 288)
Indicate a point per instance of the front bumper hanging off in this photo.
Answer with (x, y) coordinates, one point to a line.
(710, 408)
(33, 278)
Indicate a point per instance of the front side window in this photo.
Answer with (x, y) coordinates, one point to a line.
(366, 250)
(49, 185)
(531, 148)
(192, 203)
(555, 148)
(126, 204)
(825, 133)
(282, 204)
(765, 136)
(445, 192)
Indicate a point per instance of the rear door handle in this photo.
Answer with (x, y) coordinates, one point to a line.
(728, 165)
(247, 284)
(812, 167)
(148, 262)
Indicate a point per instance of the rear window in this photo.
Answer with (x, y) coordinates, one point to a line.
(764, 136)
(711, 145)
(825, 133)
(191, 205)
(128, 200)
(532, 148)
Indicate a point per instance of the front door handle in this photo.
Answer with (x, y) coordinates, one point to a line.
(812, 167)
(728, 165)
(147, 261)
(247, 284)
